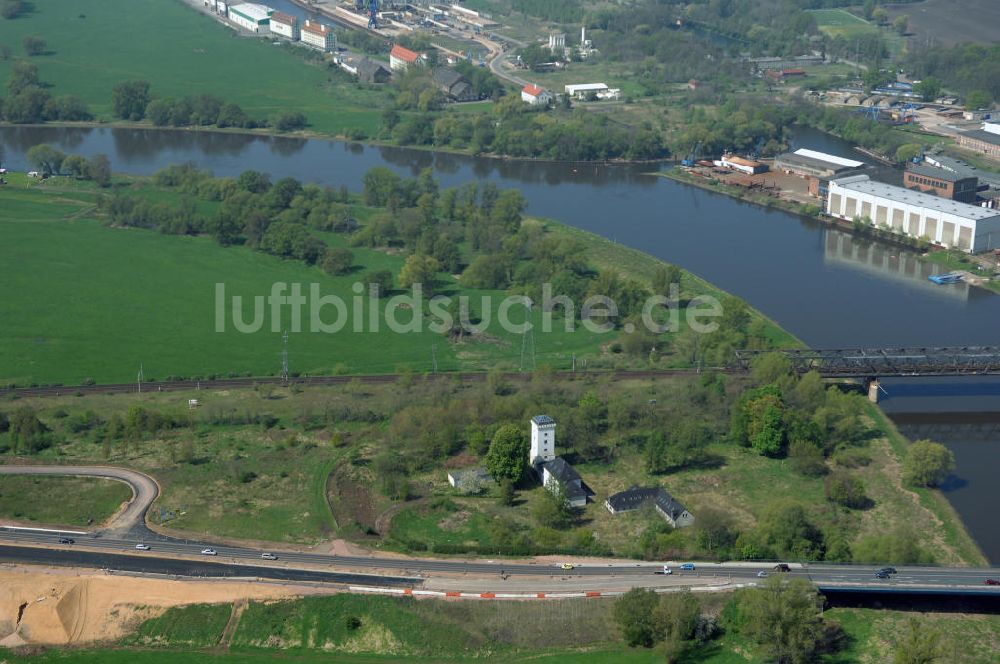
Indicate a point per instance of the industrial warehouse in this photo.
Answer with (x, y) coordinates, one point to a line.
(946, 222)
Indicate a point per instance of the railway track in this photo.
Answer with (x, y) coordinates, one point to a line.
(307, 381)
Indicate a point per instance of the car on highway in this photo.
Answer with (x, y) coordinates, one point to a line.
(688, 567)
(882, 574)
(567, 566)
(209, 552)
(142, 547)
(761, 574)
(992, 582)
(782, 567)
(664, 570)
(66, 540)
(888, 570)
(268, 556)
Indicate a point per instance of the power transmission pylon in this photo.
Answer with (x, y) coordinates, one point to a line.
(284, 358)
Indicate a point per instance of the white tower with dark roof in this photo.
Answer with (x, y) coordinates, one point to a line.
(543, 439)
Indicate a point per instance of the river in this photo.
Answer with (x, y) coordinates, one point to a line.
(819, 283)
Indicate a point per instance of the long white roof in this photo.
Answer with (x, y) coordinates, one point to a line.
(252, 10)
(833, 159)
(865, 185)
(585, 87)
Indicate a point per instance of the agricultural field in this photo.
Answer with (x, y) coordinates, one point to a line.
(181, 51)
(949, 22)
(118, 298)
(62, 501)
(841, 23)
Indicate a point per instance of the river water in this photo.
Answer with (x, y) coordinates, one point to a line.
(821, 284)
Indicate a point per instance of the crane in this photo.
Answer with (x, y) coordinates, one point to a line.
(692, 156)
(373, 14)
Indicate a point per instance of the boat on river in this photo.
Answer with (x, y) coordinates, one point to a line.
(950, 278)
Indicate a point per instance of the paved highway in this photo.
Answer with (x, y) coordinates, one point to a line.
(166, 553)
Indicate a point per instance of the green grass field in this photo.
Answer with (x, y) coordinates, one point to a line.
(115, 298)
(181, 52)
(63, 501)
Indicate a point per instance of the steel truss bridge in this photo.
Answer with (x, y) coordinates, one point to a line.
(886, 362)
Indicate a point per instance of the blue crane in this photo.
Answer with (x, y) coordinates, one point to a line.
(871, 112)
(373, 14)
(692, 156)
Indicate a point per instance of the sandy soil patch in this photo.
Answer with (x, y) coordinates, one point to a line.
(58, 607)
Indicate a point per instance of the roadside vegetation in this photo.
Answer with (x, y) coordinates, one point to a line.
(773, 466)
(778, 621)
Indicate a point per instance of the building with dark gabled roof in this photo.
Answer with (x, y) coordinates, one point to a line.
(455, 86)
(559, 473)
(370, 71)
(635, 497)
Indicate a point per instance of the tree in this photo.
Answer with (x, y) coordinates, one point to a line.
(380, 184)
(231, 115)
(33, 45)
(919, 644)
(507, 457)
(254, 181)
(664, 276)
(927, 463)
(635, 614)
(978, 99)
(553, 510)
(907, 151)
(99, 170)
(289, 121)
(46, 158)
(845, 489)
(337, 260)
(27, 432)
(676, 621)
(784, 618)
(23, 75)
(130, 99)
(901, 24)
(75, 165)
(419, 269)
(380, 281)
(11, 9)
(928, 89)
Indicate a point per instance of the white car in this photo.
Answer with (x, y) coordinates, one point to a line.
(142, 547)
(761, 574)
(209, 552)
(667, 570)
(268, 556)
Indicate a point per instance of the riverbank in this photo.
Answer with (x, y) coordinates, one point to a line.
(975, 267)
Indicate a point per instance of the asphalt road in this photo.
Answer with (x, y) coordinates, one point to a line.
(167, 555)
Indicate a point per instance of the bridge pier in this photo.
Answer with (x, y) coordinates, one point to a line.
(873, 390)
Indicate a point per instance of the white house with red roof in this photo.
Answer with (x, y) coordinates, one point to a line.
(535, 95)
(401, 58)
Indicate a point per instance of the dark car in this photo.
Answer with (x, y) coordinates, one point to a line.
(882, 574)
(782, 567)
(889, 570)
(66, 540)
(992, 582)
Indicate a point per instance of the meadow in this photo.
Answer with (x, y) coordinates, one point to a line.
(83, 301)
(70, 501)
(181, 51)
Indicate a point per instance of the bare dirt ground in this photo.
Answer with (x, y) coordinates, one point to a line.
(950, 21)
(66, 606)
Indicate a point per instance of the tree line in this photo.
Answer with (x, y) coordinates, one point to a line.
(51, 161)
